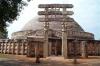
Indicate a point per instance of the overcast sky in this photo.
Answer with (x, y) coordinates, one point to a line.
(86, 13)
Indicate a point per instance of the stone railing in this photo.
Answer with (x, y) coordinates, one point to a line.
(10, 46)
(81, 35)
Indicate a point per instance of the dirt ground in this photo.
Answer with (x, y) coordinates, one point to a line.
(20, 60)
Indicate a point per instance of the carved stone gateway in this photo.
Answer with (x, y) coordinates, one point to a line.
(53, 34)
(51, 12)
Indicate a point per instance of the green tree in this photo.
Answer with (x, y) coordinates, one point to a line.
(9, 10)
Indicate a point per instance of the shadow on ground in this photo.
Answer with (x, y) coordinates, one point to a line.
(15, 63)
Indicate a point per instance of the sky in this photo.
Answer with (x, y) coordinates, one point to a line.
(86, 13)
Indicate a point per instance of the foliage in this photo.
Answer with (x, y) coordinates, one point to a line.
(9, 10)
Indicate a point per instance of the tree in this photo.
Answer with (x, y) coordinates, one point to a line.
(9, 10)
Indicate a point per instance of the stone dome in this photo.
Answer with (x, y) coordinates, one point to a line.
(35, 25)
(35, 28)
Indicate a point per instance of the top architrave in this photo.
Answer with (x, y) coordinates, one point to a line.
(55, 6)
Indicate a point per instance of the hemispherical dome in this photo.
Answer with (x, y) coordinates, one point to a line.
(35, 28)
(34, 24)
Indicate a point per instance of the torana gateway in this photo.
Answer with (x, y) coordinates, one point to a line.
(53, 33)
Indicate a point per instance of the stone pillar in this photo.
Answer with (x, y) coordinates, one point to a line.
(64, 38)
(2, 47)
(9, 47)
(83, 49)
(28, 48)
(56, 47)
(46, 29)
(23, 48)
(45, 46)
(35, 46)
(50, 44)
(64, 43)
(5, 46)
(36, 50)
(13, 47)
(96, 48)
(99, 49)
(18, 47)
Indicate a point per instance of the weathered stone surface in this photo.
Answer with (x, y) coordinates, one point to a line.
(35, 28)
(55, 6)
(55, 12)
(56, 20)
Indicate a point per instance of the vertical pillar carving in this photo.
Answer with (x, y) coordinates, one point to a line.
(64, 37)
(46, 28)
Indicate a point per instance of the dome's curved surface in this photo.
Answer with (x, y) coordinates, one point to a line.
(35, 25)
(35, 28)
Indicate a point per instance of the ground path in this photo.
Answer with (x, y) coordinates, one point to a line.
(15, 60)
